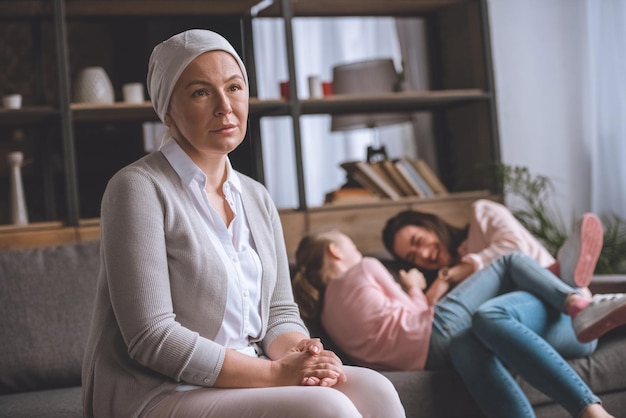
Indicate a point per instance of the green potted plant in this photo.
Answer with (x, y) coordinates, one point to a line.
(530, 197)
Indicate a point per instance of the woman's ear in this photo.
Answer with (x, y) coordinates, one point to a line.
(168, 120)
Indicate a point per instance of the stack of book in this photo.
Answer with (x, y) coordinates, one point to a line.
(395, 179)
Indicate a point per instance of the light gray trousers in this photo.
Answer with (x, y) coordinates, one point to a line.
(366, 393)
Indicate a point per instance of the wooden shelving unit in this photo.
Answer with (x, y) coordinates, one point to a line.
(461, 99)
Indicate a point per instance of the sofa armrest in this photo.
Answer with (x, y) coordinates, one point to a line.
(608, 283)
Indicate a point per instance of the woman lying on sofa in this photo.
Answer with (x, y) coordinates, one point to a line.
(451, 254)
(513, 310)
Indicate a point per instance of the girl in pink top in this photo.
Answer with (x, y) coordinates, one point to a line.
(379, 325)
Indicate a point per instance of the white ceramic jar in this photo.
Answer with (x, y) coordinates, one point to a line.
(92, 85)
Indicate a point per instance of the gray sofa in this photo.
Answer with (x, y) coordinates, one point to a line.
(45, 306)
(428, 394)
(46, 297)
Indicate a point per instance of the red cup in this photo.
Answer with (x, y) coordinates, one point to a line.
(327, 88)
(284, 89)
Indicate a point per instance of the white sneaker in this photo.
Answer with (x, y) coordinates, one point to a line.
(579, 253)
(605, 312)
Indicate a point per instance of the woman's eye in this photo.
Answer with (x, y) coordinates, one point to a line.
(199, 93)
(235, 87)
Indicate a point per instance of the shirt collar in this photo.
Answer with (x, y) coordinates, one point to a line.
(188, 171)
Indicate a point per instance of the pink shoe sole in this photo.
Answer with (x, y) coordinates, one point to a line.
(592, 237)
(596, 330)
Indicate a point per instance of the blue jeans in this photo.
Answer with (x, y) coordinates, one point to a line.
(509, 315)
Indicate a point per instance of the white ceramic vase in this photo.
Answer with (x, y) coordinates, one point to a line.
(19, 213)
(92, 85)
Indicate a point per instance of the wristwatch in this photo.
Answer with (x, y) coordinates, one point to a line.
(444, 273)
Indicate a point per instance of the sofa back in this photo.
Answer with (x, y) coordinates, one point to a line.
(46, 298)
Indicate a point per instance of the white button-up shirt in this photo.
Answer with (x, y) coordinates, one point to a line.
(242, 318)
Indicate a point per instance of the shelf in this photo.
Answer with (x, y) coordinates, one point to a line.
(26, 115)
(126, 8)
(269, 107)
(35, 226)
(334, 8)
(392, 102)
(404, 201)
(89, 112)
(38, 234)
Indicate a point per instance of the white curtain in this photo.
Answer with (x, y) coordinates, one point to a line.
(319, 43)
(605, 104)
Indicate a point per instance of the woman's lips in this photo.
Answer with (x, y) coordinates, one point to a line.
(224, 129)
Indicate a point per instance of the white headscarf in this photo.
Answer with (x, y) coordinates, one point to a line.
(171, 57)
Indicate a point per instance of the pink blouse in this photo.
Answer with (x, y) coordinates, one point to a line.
(494, 232)
(374, 321)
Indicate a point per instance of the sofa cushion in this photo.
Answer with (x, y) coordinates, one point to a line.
(42, 345)
(428, 394)
(56, 403)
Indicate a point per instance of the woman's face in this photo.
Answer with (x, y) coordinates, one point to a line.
(421, 247)
(208, 112)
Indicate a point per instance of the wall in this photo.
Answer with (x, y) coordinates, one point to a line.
(538, 53)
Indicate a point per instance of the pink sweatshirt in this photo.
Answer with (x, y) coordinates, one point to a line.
(494, 232)
(373, 320)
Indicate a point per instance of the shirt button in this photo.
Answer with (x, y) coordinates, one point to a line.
(206, 381)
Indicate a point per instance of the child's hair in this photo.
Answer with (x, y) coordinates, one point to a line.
(308, 282)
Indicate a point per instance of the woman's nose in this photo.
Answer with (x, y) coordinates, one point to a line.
(222, 105)
(424, 253)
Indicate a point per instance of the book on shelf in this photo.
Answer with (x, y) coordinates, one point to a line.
(412, 177)
(364, 174)
(379, 168)
(396, 177)
(429, 176)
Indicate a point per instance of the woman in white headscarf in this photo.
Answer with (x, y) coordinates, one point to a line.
(194, 314)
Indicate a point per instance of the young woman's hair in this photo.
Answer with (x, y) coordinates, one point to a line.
(308, 281)
(450, 236)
